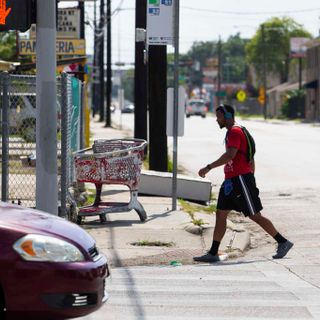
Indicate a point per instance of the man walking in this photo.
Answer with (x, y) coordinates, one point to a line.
(238, 191)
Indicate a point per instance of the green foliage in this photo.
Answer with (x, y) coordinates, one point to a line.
(8, 46)
(233, 63)
(293, 107)
(147, 243)
(272, 41)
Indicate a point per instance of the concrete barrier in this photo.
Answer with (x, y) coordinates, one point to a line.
(160, 184)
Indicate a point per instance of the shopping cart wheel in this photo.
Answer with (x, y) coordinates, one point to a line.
(103, 218)
(141, 212)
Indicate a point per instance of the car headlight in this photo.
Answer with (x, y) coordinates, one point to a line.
(34, 247)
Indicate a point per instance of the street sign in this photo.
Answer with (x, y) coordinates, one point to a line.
(68, 24)
(261, 99)
(241, 96)
(220, 93)
(64, 47)
(16, 14)
(298, 47)
(160, 22)
(262, 95)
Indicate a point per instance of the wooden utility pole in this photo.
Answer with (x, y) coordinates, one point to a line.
(109, 68)
(101, 60)
(157, 75)
(140, 76)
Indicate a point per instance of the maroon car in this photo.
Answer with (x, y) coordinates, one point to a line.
(49, 268)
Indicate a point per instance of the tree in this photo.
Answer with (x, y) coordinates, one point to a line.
(272, 42)
(8, 46)
(234, 65)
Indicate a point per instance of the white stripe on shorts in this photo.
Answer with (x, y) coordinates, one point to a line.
(247, 196)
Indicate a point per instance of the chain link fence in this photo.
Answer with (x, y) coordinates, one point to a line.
(18, 136)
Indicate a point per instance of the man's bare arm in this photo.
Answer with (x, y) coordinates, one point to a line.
(225, 158)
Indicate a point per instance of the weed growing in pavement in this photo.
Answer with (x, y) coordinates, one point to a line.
(147, 243)
(191, 209)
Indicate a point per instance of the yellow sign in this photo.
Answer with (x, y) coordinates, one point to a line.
(241, 96)
(262, 95)
(64, 47)
(4, 12)
(261, 99)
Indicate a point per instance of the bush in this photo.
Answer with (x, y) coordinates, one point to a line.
(293, 107)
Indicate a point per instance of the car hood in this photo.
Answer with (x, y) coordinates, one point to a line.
(25, 220)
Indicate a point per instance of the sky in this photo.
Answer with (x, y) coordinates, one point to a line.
(203, 20)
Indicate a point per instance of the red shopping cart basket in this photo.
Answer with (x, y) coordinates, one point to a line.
(116, 161)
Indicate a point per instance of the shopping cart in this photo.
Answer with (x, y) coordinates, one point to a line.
(116, 161)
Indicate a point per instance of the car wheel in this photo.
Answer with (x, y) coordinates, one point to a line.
(188, 115)
(28, 130)
(203, 116)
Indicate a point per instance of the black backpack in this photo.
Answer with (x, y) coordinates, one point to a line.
(251, 150)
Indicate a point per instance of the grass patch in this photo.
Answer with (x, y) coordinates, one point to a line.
(147, 243)
(90, 199)
(192, 208)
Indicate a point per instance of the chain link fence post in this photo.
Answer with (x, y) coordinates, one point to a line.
(64, 144)
(5, 137)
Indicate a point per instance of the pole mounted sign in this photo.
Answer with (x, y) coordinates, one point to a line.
(63, 47)
(160, 22)
(16, 14)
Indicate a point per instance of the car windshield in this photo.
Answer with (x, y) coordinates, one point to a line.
(196, 103)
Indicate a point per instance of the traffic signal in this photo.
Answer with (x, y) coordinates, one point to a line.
(17, 14)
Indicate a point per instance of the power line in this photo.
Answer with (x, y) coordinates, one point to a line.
(250, 13)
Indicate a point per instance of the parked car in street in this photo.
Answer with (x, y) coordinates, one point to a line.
(49, 268)
(196, 107)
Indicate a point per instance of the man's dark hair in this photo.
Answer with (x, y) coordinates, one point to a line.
(226, 110)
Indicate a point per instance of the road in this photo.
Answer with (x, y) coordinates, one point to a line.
(253, 286)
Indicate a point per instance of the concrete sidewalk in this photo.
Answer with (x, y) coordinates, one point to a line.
(127, 241)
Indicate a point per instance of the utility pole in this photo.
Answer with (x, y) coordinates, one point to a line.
(219, 71)
(300, 73)
(94, 80)
(140, 77)
(101, 60)
(157, 75)
(82, 36)
(109, 69)
(175, 104)
(46, 102)
(264, 62)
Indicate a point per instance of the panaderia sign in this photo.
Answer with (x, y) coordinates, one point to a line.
(64, 47)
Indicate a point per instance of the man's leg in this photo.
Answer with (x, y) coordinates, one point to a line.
(264, 223)
(219, 231)
(220, 227)
(284, 245)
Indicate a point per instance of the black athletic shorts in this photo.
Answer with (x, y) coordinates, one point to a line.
(240, 194)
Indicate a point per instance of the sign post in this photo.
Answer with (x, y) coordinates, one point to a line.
(175, 103)
(163, 29)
